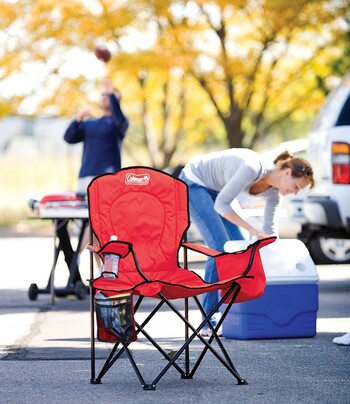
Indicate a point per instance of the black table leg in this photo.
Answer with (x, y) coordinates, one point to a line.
(62, 242)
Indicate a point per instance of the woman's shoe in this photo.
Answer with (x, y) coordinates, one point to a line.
(343, 340)
(207, 332)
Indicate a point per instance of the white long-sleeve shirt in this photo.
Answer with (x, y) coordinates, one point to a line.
(232, 172)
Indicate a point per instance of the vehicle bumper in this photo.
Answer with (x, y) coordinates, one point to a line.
(322, 211)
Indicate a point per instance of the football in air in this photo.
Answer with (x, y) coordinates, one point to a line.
(102, 53)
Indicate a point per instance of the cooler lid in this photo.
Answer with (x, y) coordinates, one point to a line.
(285, 261)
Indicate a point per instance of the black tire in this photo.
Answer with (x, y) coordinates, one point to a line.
(80, 290)
(33, 291)
(329, 251)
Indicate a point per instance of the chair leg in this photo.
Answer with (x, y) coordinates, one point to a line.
(140, 328)
(233, 370)
(136, 369)
(92, 332)
(111, 359)
(187, 374)
(196, 333)
(114, 356)
(187, 350)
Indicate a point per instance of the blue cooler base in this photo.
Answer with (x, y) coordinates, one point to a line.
(285, 311)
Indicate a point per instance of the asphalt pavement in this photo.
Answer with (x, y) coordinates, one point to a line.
(45, 347)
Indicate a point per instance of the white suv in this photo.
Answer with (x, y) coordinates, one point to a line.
(326, 231)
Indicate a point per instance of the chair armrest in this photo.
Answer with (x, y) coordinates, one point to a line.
(93, 248)
(203, 249)
(215, 253)
(121, 248)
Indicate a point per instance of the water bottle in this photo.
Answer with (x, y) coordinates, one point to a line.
(111, 263)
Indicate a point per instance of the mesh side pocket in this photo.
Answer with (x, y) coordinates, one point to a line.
(115, 318)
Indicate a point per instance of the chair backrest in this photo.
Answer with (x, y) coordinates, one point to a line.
(143, 206)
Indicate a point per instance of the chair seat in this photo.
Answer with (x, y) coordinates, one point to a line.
(176, 284)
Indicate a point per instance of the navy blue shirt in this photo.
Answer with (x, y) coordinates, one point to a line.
(102, 139)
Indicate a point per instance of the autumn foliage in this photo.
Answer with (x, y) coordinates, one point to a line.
(228, 73)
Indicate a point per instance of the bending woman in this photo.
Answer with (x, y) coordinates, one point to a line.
(216, 179)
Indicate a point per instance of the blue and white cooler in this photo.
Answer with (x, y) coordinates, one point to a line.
(288, 309)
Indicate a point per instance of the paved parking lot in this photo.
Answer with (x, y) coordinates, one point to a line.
(44, 348)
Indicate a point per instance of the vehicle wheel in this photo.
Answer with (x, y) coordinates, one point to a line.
(33, 291)
(326, 250)
(80, 290)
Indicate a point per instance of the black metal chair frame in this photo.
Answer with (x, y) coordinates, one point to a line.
(187, 372)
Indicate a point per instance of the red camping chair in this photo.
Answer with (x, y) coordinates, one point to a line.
(148, 210)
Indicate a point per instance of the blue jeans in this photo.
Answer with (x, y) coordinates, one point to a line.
(215, 230)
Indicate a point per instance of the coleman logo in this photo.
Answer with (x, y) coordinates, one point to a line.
(137, 179)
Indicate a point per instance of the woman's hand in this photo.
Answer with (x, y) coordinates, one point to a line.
(255, 235)
(109, 88)
(83, 114)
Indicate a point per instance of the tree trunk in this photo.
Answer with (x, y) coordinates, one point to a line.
(233, 128)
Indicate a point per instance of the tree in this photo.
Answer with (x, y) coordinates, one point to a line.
(339, 64)
(258, 67)
(219, 70)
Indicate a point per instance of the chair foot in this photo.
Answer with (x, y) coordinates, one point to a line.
(149, 386)
(242, 381)
(95, 381)
(186, 377)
